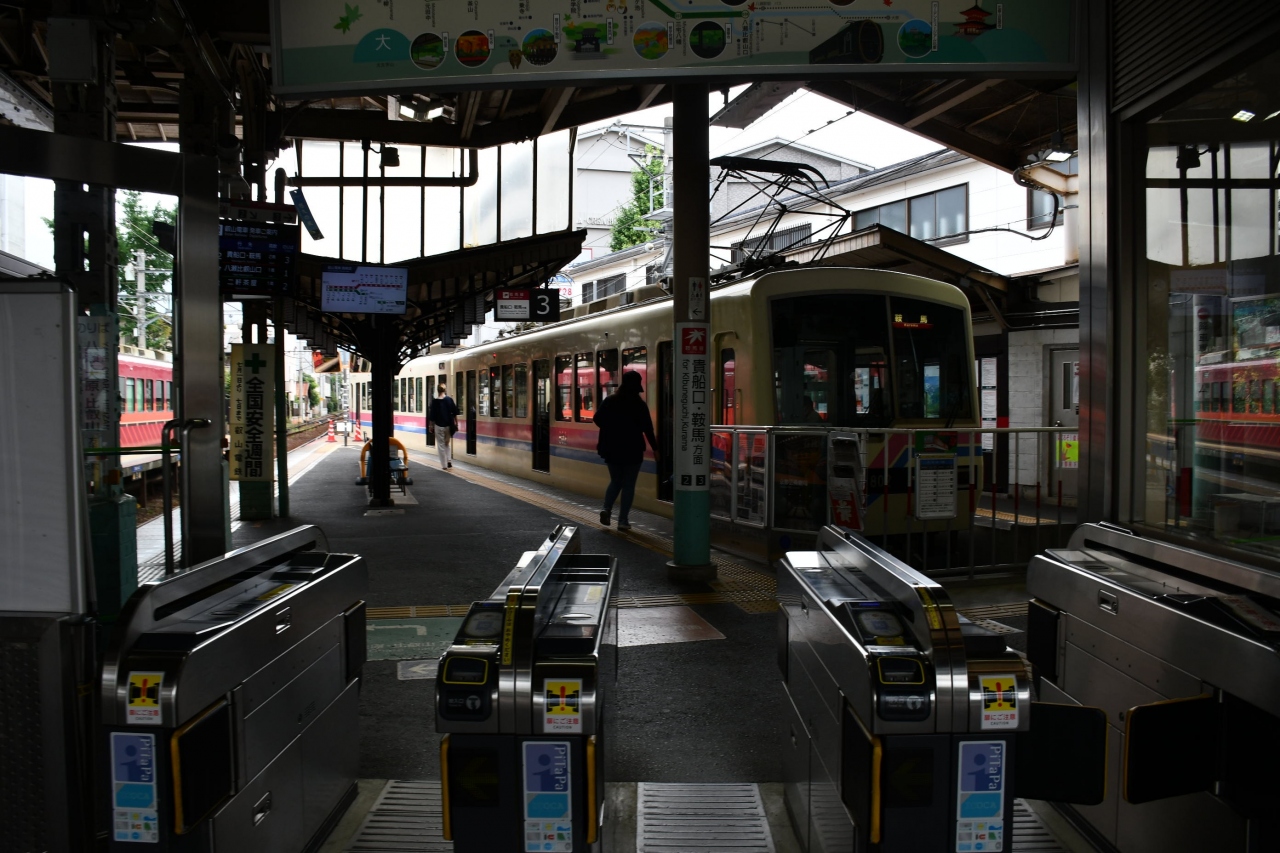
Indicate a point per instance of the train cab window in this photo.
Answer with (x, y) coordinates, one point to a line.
(508, 391)
(564, 388)
(584, 390)
(495, 392)
(932, 383)
(520, 388)
(607, 376)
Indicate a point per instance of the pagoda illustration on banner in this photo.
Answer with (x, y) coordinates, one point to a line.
(975, 23)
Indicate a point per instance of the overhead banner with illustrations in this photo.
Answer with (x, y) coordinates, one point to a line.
(327, 46)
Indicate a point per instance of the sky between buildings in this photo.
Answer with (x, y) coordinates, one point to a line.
(803, 117)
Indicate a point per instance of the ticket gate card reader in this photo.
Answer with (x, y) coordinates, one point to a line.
(230, 702)
(905, 720)
(520, 698)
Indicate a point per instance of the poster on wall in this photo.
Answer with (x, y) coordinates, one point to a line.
(327, 46)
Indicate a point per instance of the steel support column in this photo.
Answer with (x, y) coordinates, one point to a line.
(692, 224)
(199, 366)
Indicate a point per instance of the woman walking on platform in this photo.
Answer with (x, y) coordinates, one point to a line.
(624, 423)
(443, 416)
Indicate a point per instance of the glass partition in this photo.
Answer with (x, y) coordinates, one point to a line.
(1208, 454)
(517, 191)
(480, 203)
(554, 167)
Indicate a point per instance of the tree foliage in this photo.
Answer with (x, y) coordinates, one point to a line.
(646, 183)
(133, 231)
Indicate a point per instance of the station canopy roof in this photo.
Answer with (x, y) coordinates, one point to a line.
(227, 43)
(163, 44)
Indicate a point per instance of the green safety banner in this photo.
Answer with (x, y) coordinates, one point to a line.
(330, 46)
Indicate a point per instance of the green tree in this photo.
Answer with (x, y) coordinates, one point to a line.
(646, 183)
(133, 229)
(133, 232)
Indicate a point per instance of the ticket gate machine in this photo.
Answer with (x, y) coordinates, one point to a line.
(910, 728)
(521, 695)
(230, 702)
(1182, 651)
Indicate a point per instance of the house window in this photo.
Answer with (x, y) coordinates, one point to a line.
(941, 216)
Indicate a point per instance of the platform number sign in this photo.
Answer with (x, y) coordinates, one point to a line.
(537, 304)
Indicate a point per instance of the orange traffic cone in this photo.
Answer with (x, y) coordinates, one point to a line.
(358, 437)
(332, 435)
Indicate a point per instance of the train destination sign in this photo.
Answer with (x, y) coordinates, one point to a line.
(326, 46)
(256, 258)
(359, 289)
(523, 303)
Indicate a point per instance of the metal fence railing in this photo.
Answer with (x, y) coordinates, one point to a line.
(1011, 494)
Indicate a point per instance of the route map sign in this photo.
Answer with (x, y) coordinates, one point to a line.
(357, 289)
(326, 46)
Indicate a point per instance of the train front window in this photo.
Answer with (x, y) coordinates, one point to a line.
(867, 360)
(822, 345)
(930, 342)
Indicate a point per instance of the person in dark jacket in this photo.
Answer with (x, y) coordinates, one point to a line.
(624, 423)
(443, 415)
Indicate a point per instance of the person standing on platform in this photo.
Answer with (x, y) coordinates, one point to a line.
(624, 422)
(443, 417)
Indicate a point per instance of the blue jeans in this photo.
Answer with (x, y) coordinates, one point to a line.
(622, 480)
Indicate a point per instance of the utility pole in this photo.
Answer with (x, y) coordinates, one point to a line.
(140, 296)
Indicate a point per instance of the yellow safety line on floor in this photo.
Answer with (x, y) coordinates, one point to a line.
(1025, 520)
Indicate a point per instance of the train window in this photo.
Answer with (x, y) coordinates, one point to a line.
(607, 371)
(460, 398)
(931, 381)
(727, 385)
(584, 389)
(495, 391)
(149, 395)
(508, 391)
(128, 396)
(521, 388)
(637, 359)
(168, 395)
(564, 388)
(419, 407)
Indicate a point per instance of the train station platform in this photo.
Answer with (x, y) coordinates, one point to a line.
(696, 761)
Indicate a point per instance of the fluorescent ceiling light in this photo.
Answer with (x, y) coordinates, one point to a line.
(1273, 115)
(1243, 115)
(1057, 156)
(406, 111)
(434, 112)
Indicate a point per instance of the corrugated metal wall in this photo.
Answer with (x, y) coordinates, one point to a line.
(1155, 40)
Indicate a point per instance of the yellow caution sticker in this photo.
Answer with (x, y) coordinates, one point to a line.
(143, 708)
(278, 591)
(999, 701)
(594, 593)
(563, 705)
(931, 610)
(509, 628)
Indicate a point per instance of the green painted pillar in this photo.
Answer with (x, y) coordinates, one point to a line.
(691, 392)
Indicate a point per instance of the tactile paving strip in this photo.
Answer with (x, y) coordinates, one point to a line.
(701, 818)
(406, 818)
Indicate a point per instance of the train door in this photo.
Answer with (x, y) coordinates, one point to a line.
(666, 354)
(1064, 411)
(542, 415)
(427, 396)
(472, 392)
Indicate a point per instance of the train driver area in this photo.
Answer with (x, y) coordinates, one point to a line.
(941, 536)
